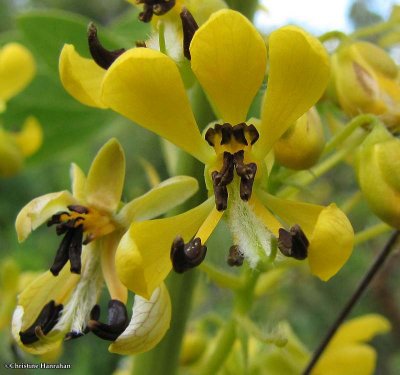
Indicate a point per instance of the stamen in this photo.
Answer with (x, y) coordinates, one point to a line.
(238, 133)
(75, 250)
(294, 243)
(252, 130)
(189, 27)
(103, 57)
(235, 257)
(117, 321)
(140, 44)
(44, 323)
(78, 209)
(157, 7)
(62, 254)
(247, 174)
(187, 256)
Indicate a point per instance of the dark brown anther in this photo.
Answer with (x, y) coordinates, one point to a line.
(103, 57)
(44, 323)
(187, 256)
(220, 193)
(62, 255)
(56, 219)
(75, 250)
(117, 321)
(226, 133)
(247, 174)
(235, 257)
(209, 137)
(189, 27)
(251, 129)
(238, 133)
(151, 7)
(293, 243)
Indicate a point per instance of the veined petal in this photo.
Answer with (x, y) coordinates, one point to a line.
(360, 329)
(229, 59)
(78, 180)
(31, 301)
(331, 243)
(145, 86)
(149, 323)
(299, 73)
(17, 68)
(30, 138)
(159, 200)
(105, 179)
(81, 77)
(143, 261)
(344, 360)
(40, 209)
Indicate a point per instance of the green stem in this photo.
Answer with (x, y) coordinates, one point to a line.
(246, 7)
(371, 232)
(373, 30)
(221, 278)
(351, 202)
(335, 34)
(348, 129)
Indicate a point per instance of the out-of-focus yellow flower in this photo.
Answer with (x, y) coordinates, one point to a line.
(228, 57)
(16, 146)
(62, 302)
(17, 68)
(348, 351)
(378, 172)
(366, 81)
(301, 145)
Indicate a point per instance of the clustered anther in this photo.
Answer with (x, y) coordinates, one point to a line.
(44, 323)
(102, 56)
(71, 245)
(189, 27)
(154, 7)
(237, 132)
(117, 321)
(187, 256)
(293, 243)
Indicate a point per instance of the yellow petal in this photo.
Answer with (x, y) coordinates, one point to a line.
(81, 77)
(159, 200)
(331, 243)
(108, 246)
(360, 329)
(40, 209)
(143, 260)
(105, 179)
(30, 138)
(149, 323)
(31, 301)
(145, 86)
(299, 73)
(78, 180)
(229, 59)
(293, 212)
(17, 68)
(345, 360)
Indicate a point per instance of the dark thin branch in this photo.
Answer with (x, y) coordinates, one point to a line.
(379, 261)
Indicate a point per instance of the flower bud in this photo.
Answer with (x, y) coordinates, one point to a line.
(302, 144)
(193, 348)
(378, 172)
(11, 158)
(365, 79)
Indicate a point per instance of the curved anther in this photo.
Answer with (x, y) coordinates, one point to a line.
(44, 323)
(189, 27)
(247, 174)
(117, 321)
(187, 256)
(103, 57)
(235, 257)
(293, 243)
(157, 7)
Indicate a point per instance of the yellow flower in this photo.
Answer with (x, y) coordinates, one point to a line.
(17, 68)
(63, 302)
(349, 350)
(366, 81)
(229, 59)
(378, 173)
(15, 146)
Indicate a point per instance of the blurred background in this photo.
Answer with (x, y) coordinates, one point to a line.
(74, 133)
